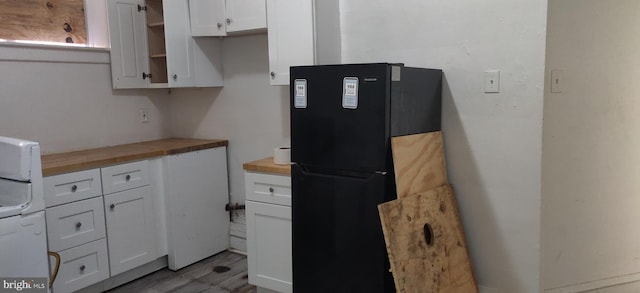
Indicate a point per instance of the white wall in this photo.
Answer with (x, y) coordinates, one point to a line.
(493, 141)
(63, 99)
(591, 143)
(247, 111)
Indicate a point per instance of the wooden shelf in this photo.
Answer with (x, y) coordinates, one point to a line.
(161, 55)
(156, 24)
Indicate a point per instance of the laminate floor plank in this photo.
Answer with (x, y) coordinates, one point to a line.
(225, 272)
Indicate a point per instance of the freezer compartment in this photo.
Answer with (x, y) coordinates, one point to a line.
(327, 134)
(338, 245)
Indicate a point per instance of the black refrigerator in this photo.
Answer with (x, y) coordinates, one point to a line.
(342, 121)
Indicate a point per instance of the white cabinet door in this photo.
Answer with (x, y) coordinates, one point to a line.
(197, 191)
(207, 18)
(130, 229)
(290, 37)
(245, 15)
(269, 246)
(179, 43)
(128, 44)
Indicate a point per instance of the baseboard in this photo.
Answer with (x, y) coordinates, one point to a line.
(238, 244)
(238, 233)
(594, 285)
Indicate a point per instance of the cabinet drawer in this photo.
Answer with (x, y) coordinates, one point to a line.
(71, 187)
(75, 223)
(82, 266)
(268, 188)
(125, 176)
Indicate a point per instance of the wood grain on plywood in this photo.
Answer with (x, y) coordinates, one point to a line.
(426, 244)
(419, 162)
(40, 20)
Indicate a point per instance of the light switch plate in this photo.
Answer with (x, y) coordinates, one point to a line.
(556, 80)
(492, 81)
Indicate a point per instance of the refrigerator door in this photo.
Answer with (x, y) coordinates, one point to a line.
(340, 116)
(338, 244)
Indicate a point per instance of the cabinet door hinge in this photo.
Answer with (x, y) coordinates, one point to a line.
(140, 8)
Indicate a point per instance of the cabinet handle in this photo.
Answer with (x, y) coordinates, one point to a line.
(228, 20)
(271, 189)
(273, 74)
(219, 25)
(127, 178)
(82, 268)
(78, 225)
(145, 75)
(175, 77)
(112, 206)
(74, 188)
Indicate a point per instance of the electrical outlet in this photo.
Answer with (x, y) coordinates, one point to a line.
(143, 116)
(492, 81)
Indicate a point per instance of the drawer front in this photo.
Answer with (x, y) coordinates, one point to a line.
(81, 266)
(126, 176)
(70, 187)
(75, 223)
(268, 188)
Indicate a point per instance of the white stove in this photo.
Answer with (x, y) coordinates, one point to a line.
(23, 242)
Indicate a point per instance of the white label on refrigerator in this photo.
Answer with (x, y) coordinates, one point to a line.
(395, 73)
(350, 93)
(300, 97)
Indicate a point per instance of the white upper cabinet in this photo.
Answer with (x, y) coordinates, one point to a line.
(301, 32)
(154, 49)
(220, 17)
(246, 15)
(128, 44)
(207, 18)
(179, 44)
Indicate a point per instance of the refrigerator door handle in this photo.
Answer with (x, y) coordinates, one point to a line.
(314, 171)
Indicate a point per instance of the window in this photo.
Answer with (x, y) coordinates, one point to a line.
(51, 21)
(59, 22)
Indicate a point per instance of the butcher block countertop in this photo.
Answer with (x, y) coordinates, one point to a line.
(266, 165)
(55, 164)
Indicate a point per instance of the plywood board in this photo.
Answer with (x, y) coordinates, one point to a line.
(426, 244)
(419, 162)
(43, 20)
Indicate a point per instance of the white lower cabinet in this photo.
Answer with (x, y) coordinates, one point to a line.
(99, 236)
(108, 224)
(268, 212)
(197, 191)
(130, 229)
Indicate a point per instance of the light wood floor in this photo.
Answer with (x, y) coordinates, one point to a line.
(224, 272)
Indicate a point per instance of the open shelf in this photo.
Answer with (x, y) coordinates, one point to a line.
(156, 42)
(156, 24)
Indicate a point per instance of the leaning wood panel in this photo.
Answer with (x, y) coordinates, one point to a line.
(59, 21)
(419, 162)
(426, 244)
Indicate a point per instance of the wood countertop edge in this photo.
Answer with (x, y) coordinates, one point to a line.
(60, 163)
(186, 149)
(266, 165)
